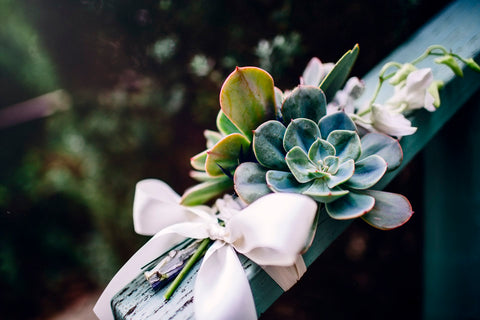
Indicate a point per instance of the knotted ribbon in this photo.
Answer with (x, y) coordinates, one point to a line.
(271, 232)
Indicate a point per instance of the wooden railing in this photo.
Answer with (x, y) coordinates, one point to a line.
(452, 237)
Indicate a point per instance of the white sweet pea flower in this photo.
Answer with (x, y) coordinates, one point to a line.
(413, 93)
(344, 99)
(389, 121)
(315, 72)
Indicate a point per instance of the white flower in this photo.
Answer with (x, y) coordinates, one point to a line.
(315, 72)
(344, 99)
(386, 120)
(413, 93)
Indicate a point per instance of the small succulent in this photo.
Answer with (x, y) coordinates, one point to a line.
(322, 156)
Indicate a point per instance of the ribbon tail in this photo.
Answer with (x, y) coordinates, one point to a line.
(286, 277)
(151, 250)
(222, 290)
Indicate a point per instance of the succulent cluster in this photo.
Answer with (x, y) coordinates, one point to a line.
(269, 141)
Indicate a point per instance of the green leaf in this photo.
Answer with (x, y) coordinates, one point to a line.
(225, 154)
(450, 62)
(344, 172)
(268, 145)
(320, 149)
(212, 137)
(350, 206)
(278, 102)
(336, 121)
(205, 191)
(304, 102)
(301, 166)
(247, 98)
(250, 182)
(332, 163)
(391, 210)
(320, 192)
(198, 161)
(347, 144)
(337, 77)
(368, 172)
(302, 133)
(384, 146)
(200, 176)
(281, 181)
(225, 126)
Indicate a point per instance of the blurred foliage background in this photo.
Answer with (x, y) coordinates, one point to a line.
(143, 78)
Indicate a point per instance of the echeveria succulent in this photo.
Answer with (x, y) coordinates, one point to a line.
(323, 157)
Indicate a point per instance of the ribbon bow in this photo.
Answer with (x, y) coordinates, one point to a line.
(271, 232)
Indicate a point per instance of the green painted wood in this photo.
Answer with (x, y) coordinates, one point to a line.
(458, 28)
(452, 215)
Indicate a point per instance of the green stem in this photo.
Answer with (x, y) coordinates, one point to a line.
(429, 52)
(188, 266)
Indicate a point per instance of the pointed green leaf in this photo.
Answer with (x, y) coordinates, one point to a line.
(347, 144)
(320, 192)
(200, 176)
(450, 62)
(301, 132)
(268, 145)
(205, 191)
(225, 154)
(212, 137)
(247, 98)
(337, 77)
(281, 181)
(225, 126)
(350, 206)
(304, 102)
(320, 149)
(250, 182)
(336, 121)
(384, 146)
(301, 166)
(198, 161)
(344, 172)
(368, 172)
(391, 210)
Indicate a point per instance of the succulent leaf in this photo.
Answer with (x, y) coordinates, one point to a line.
(278, 102)
(200, 176)
(368, 172)
(313, 72)
(344, 172)
(301, 166)
(281, 181)
(225, 154)
(332, 163)
(320, 192)
(336, 121)
(320, 149)
(384, 146)
(212, 137)
(224, 125)
(247, 98)
(250, 182)
(198, 161)
(304, 102)
(205, 191)
(350, 206)
(302, 133)
(391, 210)
(268, 145)
(347, 144)
(337, 77)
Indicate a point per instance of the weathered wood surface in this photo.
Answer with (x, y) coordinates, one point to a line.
(457, 28)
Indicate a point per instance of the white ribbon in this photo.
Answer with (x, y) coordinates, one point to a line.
(271, 232)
